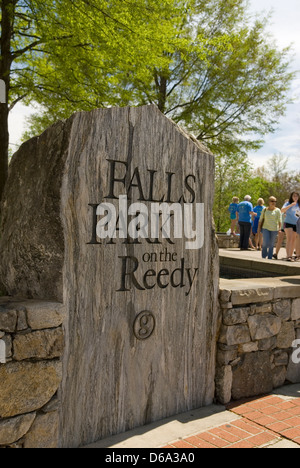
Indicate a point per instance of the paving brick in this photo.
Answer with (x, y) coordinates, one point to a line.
(224, 434)
(271, 409)
(295, 411)
(263, 438)
(260, 422)
(198, 443)
(254, 415)
(182, 444)
(285, 405)
(282, 415)
(240, 409)
(247, 426)
(273, 400)
(278, 426)
(294, 422)
(242, 444)
(259, 404)
(216, 441)
(292, 433)
(265, 420)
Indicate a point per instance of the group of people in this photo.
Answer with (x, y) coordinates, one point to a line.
(267, 224)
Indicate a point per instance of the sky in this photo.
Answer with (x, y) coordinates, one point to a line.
(284, 27)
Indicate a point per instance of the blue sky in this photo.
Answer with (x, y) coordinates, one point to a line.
(285, 28)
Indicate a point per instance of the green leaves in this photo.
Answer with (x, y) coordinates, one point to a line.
(205, 63)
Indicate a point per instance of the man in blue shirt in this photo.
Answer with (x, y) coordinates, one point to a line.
(244, 213)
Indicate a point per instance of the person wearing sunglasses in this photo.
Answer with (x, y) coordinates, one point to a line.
(270, 224)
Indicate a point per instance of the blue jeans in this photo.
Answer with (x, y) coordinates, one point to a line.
(268, 243)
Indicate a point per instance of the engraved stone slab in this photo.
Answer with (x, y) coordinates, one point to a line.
(139, 284)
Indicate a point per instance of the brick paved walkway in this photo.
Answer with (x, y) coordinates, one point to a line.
(261, 422)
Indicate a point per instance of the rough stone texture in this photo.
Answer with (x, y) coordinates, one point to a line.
(44, 315)
(232, 335)
(262, 309)
(44, 344)
(29, 385)
(283, 309)
(235, 316)
(247, 296)
(13, 429)
(224, 384)
(31, 240)
(293, 371)
(130, 382)
(271, 356)
(8, 320)
(286, 335)
(26, 386)
(44, 432)
(279, 376)
(119, 381)
(248, 347)
(263, 326)
(253, 376)
(296, 309)
(226, 354)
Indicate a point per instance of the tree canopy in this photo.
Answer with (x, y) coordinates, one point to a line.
(206, 64)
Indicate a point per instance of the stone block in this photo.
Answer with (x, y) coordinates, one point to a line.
(41, 315)
(279, 376)
(13, 429)
(224, 295)
(141, 310)
(293, 370)
(288, 291)
(263, 309)
(224, 357)
(22, 321)
(235, 316)
(43, 432)
(8, 320)
(263, 326)
(267, 343)
(233, 335)
(27, 386)
(224, 384)
(296, 309)
(248, 296)
(42, 344)
(283, 309)
(281, 358)
(248, 347)
(253, 376)
(286, 335)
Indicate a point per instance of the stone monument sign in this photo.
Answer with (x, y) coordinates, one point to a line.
(110, 213)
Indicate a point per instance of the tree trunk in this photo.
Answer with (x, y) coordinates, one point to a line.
(3, 146)
(6, 58)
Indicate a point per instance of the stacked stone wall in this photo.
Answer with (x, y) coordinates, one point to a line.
(255, 346)
(31, 346)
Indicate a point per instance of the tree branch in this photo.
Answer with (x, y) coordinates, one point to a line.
(20, 98)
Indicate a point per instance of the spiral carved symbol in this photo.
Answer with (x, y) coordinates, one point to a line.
(144, 325)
